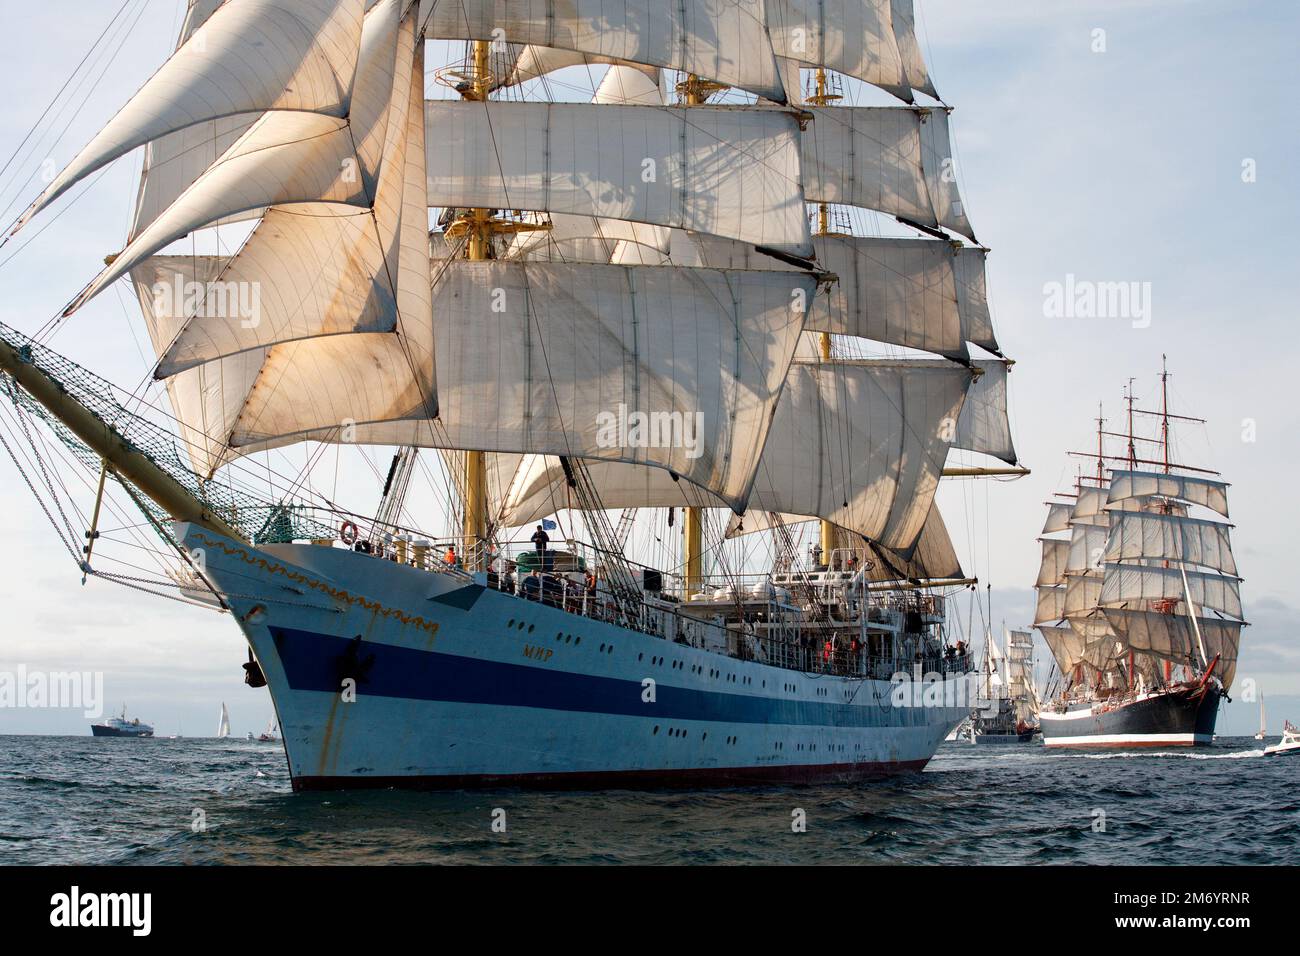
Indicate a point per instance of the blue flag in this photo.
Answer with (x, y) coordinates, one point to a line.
(548, 524)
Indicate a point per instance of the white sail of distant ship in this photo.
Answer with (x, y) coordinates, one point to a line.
(223, 723)
(649, 250)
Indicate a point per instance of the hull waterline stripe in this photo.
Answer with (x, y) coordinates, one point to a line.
(314, 662)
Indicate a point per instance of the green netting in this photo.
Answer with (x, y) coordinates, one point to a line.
(258, 519)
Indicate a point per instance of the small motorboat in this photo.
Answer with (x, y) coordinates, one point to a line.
(1290, 743)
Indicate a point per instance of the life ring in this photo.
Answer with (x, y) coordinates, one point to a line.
(348, 532)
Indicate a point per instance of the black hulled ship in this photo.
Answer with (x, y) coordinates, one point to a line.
(1138, 595)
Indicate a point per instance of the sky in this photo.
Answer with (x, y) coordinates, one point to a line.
(1112, 156)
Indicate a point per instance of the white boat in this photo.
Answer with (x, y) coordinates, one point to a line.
(223, 723)
(1263, 725)
(1290, 743)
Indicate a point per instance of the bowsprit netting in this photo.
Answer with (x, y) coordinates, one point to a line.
(261, 521)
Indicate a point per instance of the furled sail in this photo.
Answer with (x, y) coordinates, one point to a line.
(1137, 535)
(250, 56)
(724, 41)
(897, 160)
(729, 171)
(1208, 492)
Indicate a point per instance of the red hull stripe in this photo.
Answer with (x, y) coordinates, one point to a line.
(622, 779)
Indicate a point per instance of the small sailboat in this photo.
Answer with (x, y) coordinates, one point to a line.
(223, 723)
(1290, 742)
(1263, 725)
(269, 735)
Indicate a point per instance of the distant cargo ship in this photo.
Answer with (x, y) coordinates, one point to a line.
(121, 727)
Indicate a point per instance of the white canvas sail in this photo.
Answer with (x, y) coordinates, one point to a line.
(223, 722)
(725, 170)
(724, 41)
(1136, 535)
(1131, 586)
(1128, 485)
(984, 426)
(853, 37)
(896, 160)
(250, 56)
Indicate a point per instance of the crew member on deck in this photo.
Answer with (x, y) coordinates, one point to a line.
(451, 558)
(540, 540)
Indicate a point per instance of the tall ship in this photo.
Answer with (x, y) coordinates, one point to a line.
(682, 358)
(1008, 694)
(1138, 593)
(120, 726)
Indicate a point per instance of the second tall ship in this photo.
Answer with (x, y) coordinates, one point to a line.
(1138, 597)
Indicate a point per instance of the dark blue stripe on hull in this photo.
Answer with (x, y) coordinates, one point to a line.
(315, 662)
(625, 779)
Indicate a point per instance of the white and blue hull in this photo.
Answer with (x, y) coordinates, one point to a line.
(459, 685)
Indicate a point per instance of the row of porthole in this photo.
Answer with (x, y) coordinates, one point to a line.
(520, 624)
(681, 732)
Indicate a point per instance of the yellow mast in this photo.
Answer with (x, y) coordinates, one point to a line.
(479, 226)
(821, 98)
(694, 92)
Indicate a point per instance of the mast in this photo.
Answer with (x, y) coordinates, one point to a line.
(821, 98)
(1164, 408)
(479, 227)
(694, 91)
